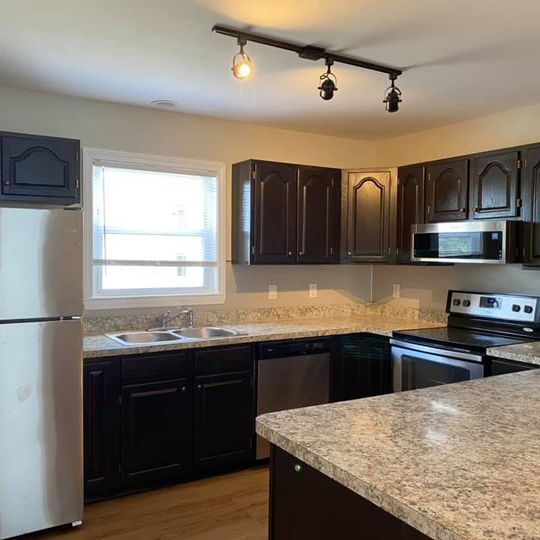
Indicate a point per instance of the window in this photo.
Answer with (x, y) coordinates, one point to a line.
(154, 231)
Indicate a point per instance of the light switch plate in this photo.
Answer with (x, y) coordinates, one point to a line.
(313, 290)
(272, 292)
(396, 292)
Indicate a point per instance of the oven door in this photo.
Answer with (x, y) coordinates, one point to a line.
(417, 366)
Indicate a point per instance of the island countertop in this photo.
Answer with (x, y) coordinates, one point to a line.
(456, 462)
(101, 345)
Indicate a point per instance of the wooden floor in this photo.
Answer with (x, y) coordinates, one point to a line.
(229, 507)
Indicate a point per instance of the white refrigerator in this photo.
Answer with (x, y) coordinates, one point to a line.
(41, 447)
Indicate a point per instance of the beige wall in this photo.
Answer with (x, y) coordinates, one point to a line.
(427, 286)
(136, 129)
(510, 128)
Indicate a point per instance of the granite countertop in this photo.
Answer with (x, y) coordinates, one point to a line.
(457, 462)
(523, 352)
(101, 345)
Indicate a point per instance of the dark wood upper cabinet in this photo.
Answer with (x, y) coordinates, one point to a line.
(531, 207)
(224, 419)
(495, 185)
(410, 208)
(318, 215)
(284, 213)
(157, 430)
(101, 391)
(368, 215)
(274, 213)
(40, 169)
(447, 184)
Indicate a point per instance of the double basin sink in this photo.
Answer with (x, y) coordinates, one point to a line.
(165, 336)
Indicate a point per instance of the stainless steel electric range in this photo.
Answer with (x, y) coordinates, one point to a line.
(458, 352)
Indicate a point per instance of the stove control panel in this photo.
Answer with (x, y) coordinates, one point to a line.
(495, 306)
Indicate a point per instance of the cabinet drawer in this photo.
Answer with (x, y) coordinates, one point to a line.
(156, 366)
(223, 360)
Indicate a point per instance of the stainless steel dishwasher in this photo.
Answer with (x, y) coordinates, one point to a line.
(291, 375)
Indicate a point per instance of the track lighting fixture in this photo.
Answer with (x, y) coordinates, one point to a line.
(328, 82)
(241, 65)
(392, 95)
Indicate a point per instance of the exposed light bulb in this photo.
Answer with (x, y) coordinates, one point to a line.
(241, 65)
(242, 69)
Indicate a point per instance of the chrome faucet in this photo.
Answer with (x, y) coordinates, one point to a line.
(167, 318)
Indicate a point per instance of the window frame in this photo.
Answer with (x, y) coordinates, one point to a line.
(130, 160)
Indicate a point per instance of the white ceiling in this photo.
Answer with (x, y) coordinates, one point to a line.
(462, 58)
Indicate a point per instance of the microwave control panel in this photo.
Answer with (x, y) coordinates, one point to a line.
(495, 306)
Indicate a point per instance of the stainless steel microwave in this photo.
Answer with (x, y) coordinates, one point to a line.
(491, 242)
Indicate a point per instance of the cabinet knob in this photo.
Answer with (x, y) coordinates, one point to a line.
(7, 182)
(199, 387)
(300, 253)
(183, 389)
(297, 467)
(290, 253)
(475, 209)
(349, 253)
(462, 210)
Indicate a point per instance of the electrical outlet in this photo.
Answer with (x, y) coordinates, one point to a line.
(313, 290)
(396, 290)
(272, 292)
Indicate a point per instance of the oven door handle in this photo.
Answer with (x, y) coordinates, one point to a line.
(448, 353)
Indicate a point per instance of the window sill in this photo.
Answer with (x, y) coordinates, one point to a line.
(132, 302)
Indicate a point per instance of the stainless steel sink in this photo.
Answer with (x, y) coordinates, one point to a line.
(144, 338)
(205, 332)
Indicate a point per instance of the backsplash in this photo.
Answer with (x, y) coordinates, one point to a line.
(209, 317)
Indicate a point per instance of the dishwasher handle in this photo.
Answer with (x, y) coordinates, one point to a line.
(293, 348)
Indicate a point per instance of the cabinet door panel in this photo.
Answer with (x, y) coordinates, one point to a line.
(275, 213)
(318, 215)
(531, 198)
(101, 425)
(156, 430)
(368, 216)
(447, 190)
(44, 169)
(494, 189)
(224, 419)
(410, 208)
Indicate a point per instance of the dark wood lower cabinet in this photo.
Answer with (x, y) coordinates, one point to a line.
(501, 366)
(307, 505)
(365, 366)
(224, 419)
(101, 425)
(157, 418)
(157, 430)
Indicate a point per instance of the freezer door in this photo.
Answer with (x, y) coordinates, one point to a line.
(40, 263)
(41, 471)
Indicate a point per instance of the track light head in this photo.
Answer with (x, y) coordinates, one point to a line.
(241, 65)
(328, 82)
(392, 96)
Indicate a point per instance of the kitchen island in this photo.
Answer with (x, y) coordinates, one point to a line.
(454, 462)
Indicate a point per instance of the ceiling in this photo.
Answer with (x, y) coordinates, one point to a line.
(461, 58)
